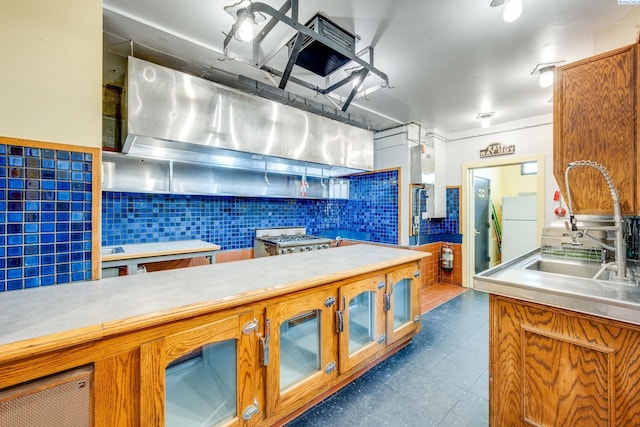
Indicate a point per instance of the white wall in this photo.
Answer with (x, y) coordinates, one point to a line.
(532, 137)
(51, 75)
(622, 33)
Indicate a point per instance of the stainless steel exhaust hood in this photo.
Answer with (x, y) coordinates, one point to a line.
(173, 115)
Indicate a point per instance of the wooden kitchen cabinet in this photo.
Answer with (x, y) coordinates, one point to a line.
(553, 367)
(204, 375)
(203, 363)
(596, 118)
(361, 321)
(301, 357)
(315, 339)
(403, 303)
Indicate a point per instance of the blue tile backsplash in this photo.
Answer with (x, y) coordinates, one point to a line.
(370, 214)
(451, 223)
(231, 221)
(45, 212)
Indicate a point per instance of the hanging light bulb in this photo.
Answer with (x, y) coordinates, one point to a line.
(243, 29)
(512, 10)
(546, 76)
(245, 32)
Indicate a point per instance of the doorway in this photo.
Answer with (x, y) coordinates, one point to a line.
(488, 173)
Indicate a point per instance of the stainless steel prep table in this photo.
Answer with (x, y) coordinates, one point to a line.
(131, 256)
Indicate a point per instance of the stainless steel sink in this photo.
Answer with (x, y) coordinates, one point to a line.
(569, 268)
(111, 250)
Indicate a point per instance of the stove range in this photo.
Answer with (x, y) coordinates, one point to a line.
(280, 241)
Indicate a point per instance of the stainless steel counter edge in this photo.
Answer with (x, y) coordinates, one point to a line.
(599, 298)
(54, 316)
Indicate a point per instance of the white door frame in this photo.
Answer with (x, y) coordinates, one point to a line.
(466, 204)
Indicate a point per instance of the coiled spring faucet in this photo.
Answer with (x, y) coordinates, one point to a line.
(620, 251)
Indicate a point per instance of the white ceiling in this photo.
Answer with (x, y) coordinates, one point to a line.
(447, 61)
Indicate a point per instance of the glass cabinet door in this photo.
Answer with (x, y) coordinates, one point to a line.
(190, 378)
(301, 349)
(403, 294)
(201, 386)
(360, 321)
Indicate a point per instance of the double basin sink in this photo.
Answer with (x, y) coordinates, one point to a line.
(579, 268)
(566, 283)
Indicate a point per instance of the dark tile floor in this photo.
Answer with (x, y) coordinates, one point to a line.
(440, 379)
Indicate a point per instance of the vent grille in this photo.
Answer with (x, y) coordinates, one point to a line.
(319, 58)
(62, 400)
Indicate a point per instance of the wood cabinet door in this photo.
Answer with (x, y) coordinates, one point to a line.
(595, 118)
(551, 367)
(361, 321)
(302, 349)
(204, 374)
(403, 303)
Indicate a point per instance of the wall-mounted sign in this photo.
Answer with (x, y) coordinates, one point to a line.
(497, 149)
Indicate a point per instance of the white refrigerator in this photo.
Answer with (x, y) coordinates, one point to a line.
(519, 226)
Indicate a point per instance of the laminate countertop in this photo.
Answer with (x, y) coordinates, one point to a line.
(51, 317)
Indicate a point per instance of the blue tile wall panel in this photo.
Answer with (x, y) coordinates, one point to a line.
(450, 224)
(373, 207)
(45, 217)
(231, 221)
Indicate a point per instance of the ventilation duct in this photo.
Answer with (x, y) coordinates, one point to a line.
(318, 57)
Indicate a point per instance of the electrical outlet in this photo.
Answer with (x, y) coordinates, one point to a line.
(425, 215)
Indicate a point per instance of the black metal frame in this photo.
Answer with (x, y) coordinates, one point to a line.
(302, 31)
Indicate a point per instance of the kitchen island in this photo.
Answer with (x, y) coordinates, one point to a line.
(129, 329)
(563, 345)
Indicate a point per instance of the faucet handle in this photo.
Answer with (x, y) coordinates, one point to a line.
(574, 222)
(573, 232)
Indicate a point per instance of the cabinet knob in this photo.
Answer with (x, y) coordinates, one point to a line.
(250, 410)
(331, 366)
(250, 327)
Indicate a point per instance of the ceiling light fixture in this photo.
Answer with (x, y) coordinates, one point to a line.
(546, 71)
(512, 10)
(546, 76)
(485, 119)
